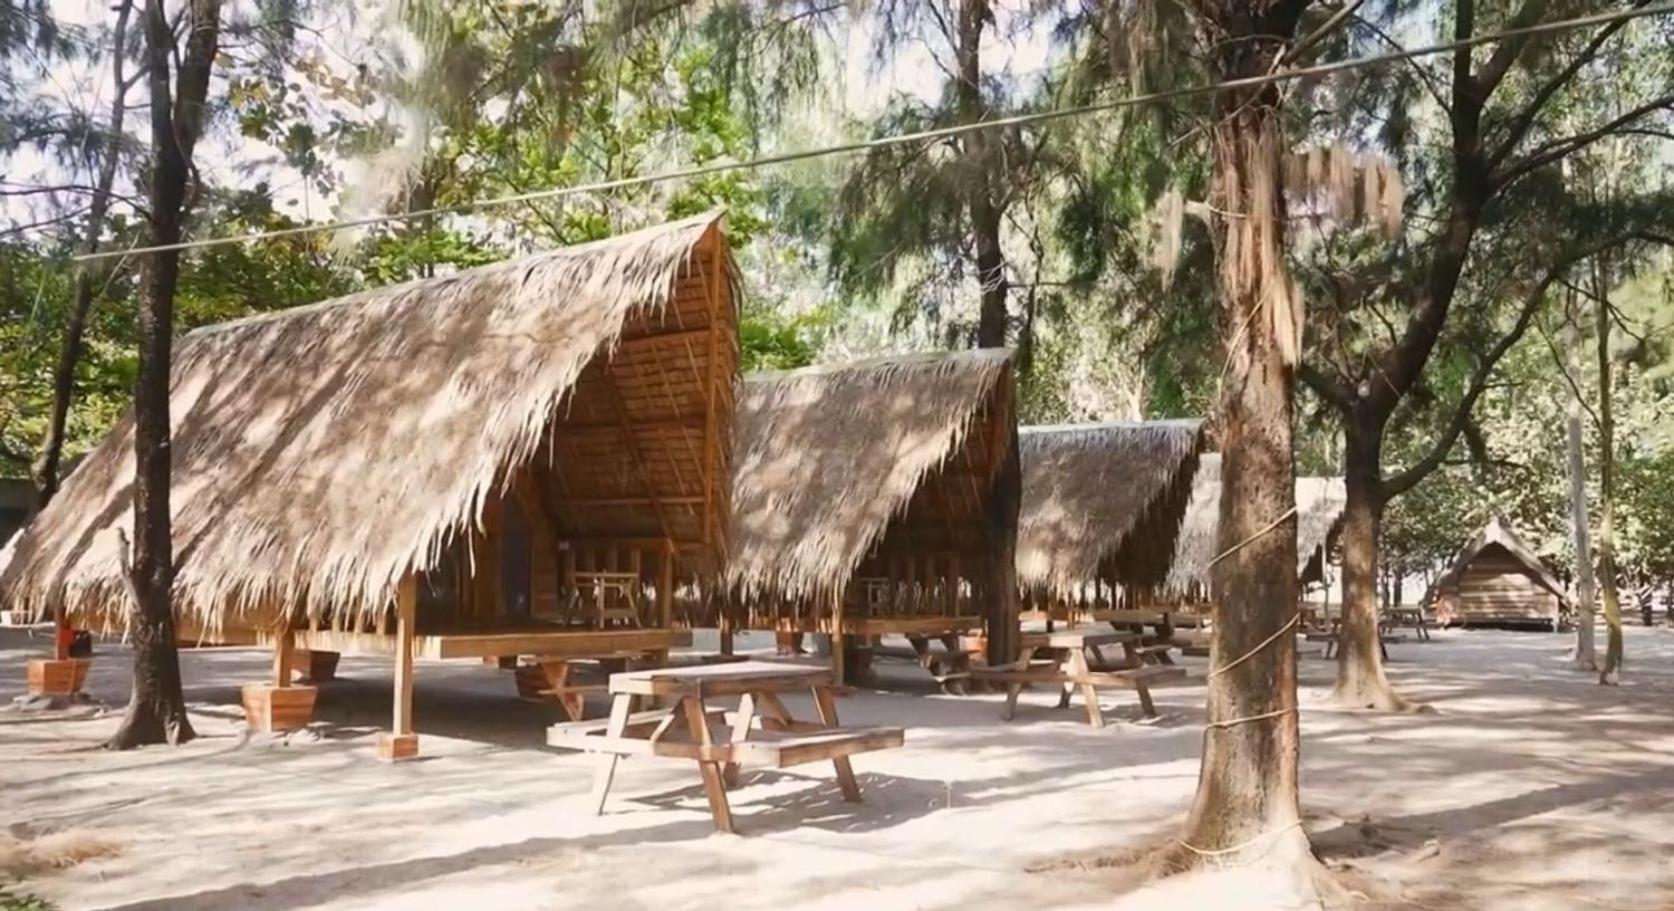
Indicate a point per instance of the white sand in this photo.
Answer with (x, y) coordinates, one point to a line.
(1532, 789)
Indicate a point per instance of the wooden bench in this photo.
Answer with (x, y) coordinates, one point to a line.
(1156, 653)
(683, 729)
(1068, 667)
(1331, 643)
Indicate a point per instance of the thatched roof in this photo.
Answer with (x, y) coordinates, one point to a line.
(1102, 502)
(322, 453)
(1498, 533)
(1319, 505)
(826, 457)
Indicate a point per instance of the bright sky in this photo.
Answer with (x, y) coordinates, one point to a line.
(235, 160)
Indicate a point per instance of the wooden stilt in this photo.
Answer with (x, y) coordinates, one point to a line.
(284, 654)
(401, 743)
(279, 705)
(839, 653)
(665, 590)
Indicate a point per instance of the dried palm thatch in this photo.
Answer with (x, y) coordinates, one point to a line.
(1102, 503)
(1319, 506)
(322, 453)
(827, 457)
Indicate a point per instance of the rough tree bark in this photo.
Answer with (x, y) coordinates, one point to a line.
(1247, 806)
(1586, 655)
(982, 203)
(48, 465)
(1611, 671)
(1361, 679)
(157, 708)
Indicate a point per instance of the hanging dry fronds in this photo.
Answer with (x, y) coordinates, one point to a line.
(1165, 226)
(1350, 188)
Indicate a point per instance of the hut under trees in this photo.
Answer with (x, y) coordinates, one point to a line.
(1102, 504)
(1319, 508)
(1496, 578)
(514, 460)
(877, 498)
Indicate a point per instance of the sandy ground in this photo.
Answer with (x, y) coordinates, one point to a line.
(1531, 788)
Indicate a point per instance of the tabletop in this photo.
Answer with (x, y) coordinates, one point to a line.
(1077, 638)
(720, 679)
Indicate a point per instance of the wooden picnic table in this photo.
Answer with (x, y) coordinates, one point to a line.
(1066, 663)
(760, 732)
(1407, 615)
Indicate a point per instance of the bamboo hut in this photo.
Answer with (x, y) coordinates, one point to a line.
(1496, 578)
(877, 498)
(1319, 507)
(1102, 504)
(507, 461)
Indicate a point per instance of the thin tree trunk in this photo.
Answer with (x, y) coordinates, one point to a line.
(157, 709)
(1611, 671)
(1247, 806)
(47, 466)
(1361, 680)
(984, 208)
(1586, 655)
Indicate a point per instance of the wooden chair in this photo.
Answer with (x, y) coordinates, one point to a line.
(612, 598)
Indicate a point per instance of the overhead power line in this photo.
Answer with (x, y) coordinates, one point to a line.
(849, 148)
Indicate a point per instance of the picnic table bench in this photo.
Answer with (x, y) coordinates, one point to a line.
(761, 732)
(1066, 664)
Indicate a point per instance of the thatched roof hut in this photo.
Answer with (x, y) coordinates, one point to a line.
(894, 471)
(1319, 506)
(1102, 504)
(324, 454)
(1497, 578)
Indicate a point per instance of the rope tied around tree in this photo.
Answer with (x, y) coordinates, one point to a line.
(1241, 846)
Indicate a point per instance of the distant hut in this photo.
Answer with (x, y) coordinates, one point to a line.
(1319, 507)
(877, 498)
(494, 463)
(1496, 578)
(1102, 504)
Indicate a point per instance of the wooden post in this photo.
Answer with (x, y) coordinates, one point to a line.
(838, 650)
(283, 654)
(665, 590)
(401, 743)
(278, 706)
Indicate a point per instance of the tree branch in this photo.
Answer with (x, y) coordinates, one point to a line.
(1525, 118)
(1556, 149)
(1333, 390)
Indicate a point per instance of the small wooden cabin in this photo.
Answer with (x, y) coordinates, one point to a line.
(1102, 504)
(877, 498)
(1497, 579)
(1319, 509)
(514, 460)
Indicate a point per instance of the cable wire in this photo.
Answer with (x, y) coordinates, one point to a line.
(849, 148)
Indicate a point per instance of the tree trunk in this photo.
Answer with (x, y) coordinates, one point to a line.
(1586, 655)
(47, 466)
(1247, 806)
(1607, 481)
(982, 203)
(157, 709)
(1361, 681)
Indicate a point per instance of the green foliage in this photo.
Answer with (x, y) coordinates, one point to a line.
(770, 341)
(14, 897)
